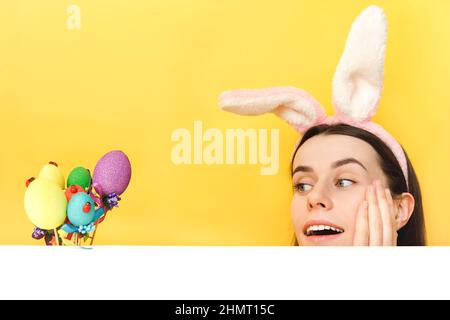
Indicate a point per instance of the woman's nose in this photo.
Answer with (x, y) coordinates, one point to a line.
(318, 199)
(318, 204)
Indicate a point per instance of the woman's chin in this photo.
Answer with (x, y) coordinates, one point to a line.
(329, 240)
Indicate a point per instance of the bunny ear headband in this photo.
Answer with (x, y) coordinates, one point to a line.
(357, 86)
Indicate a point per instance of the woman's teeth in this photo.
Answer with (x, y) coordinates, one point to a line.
(322, 230)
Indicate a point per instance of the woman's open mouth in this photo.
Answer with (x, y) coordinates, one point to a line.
(322, 230)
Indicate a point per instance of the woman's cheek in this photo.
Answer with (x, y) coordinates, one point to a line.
(349, 203)
(298, 212)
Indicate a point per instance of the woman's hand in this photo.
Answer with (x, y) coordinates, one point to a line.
(375, 220)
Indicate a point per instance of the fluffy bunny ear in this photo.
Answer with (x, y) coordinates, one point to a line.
(358, 80)
(295, 106)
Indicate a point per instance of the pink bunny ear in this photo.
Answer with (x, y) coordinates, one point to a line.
(358, 80)
(295, 106)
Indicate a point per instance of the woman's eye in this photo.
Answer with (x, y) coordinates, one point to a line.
(343, 183)
(302, 187)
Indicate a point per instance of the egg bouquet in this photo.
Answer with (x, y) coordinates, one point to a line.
(68, 214)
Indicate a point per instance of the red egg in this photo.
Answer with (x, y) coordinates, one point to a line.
(73, 190)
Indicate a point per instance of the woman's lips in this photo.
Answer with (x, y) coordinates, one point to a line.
(323, 238)
(313, 229)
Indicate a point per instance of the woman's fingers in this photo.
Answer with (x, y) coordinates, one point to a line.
(390, 202)
(362, 226)
(385, 214)
(375, 221)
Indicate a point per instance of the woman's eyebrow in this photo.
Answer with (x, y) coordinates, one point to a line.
(334, 165)
(303, 169)
(342, 162)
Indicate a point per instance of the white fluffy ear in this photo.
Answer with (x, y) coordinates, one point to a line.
(295, 106)
(358, 80)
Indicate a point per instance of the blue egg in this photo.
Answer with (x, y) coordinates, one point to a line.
(81, 209)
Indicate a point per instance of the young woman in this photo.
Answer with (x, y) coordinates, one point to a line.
(353, 182)
(350, 190)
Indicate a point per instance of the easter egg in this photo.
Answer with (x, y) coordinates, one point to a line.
(79, 176)
(112, 173)
(72, 190)
(81, 209)
(45, 204)
(52, 173)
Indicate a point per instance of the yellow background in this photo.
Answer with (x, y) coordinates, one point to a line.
(137, 70)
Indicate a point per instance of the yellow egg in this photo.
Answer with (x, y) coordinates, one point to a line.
(51, 172)
(45, 204)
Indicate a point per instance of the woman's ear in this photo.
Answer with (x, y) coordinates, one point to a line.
(404, 207)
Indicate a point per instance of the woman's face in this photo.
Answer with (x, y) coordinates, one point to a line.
(331, 175)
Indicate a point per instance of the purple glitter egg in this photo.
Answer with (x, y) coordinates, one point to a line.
(112, 173)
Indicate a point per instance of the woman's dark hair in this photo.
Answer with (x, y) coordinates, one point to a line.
(413, 233)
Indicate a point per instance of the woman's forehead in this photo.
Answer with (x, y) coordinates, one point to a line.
(326, 149)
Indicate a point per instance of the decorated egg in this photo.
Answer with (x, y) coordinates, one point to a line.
(45, 204)
(52, 173)
(112, 173)
(79, 176)
(72, 190)
(81, 209)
